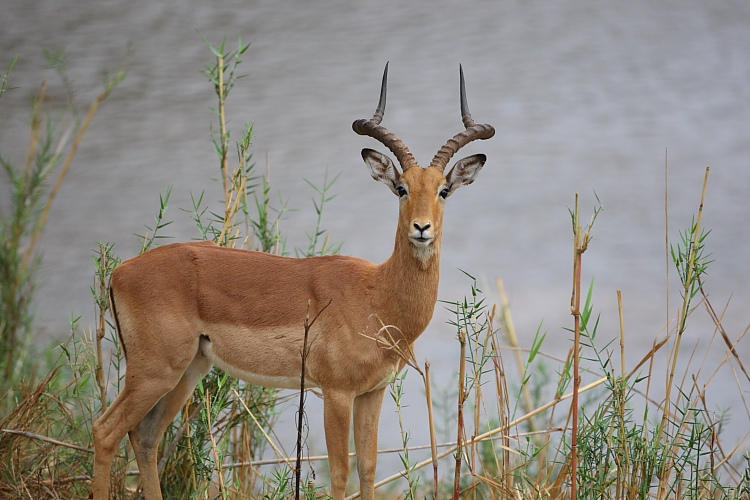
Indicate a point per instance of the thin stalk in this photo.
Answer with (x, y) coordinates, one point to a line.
(506, 320)
(102, 327)
(718, 322)
(460, 430)
(503, 407)
(622, 332)
(433, 438)
(582, 237)
(63, 172)
(482, 353)
(7, 74)
(397, 392)
(55, 442)
(353, 454)
(682, 320)
(36, 125)
(576, 311)
(301, 412)
(187, 419)
(234, 200)
(214, 446)
(667, 267)
(621, 395)
(279, 452)
(223, 129)
(474, 453)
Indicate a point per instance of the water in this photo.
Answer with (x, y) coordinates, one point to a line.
(584, 99)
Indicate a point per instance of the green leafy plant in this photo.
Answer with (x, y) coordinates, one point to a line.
(53, 144)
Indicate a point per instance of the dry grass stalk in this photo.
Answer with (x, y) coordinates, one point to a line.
(667, 263)
(718, 322)
(490, 433)
(276, 448)
(684, 311)
(509, 327)
(101, 329)
(688, 284)
(214, 446)
(460, 427)
(581, 241)
(188, 417)
(433, 438)
(224, 150)
(69, 159)
(504, 466)
(301, 410)
(46, 439)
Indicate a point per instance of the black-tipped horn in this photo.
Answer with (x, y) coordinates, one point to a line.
(465, 113)
(472, 132)
(372, 128)
(380, 111)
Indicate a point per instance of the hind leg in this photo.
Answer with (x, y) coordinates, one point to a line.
(147, 434)
(134, 402)
(151, 373)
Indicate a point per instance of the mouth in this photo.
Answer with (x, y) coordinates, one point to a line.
(421, 240)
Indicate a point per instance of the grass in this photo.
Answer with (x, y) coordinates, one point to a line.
(53, 145)
(527, 424)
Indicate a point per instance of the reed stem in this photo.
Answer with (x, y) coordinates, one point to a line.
(460, 427)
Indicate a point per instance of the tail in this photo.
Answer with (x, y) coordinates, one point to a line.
(117, 320)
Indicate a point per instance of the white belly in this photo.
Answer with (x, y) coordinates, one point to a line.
(279, 382)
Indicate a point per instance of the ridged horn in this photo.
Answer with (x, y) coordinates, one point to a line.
(472, 132)
(372, 128)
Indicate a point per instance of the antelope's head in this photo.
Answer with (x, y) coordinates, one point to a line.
(422, 191)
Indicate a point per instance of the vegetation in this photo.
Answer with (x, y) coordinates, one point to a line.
(531, 426)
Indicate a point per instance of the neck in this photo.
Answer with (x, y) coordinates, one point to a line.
(410, 277)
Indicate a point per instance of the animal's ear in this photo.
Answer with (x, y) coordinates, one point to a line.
(381, 168)
(464, 172)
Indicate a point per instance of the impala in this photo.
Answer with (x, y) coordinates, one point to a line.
(182, 308)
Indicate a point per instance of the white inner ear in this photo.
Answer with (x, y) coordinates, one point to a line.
(381, 168)
(464, 172)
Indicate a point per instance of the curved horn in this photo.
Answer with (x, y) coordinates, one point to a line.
(373, 129)
(472, 132)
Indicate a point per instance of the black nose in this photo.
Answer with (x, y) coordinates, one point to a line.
(421, 228)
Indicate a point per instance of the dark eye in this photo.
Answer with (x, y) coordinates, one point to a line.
(400, 191)
(444, 193)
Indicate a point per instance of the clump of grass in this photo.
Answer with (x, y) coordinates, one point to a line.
(222, 428)
(615, 442)
(52, 147)
(41, 415)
